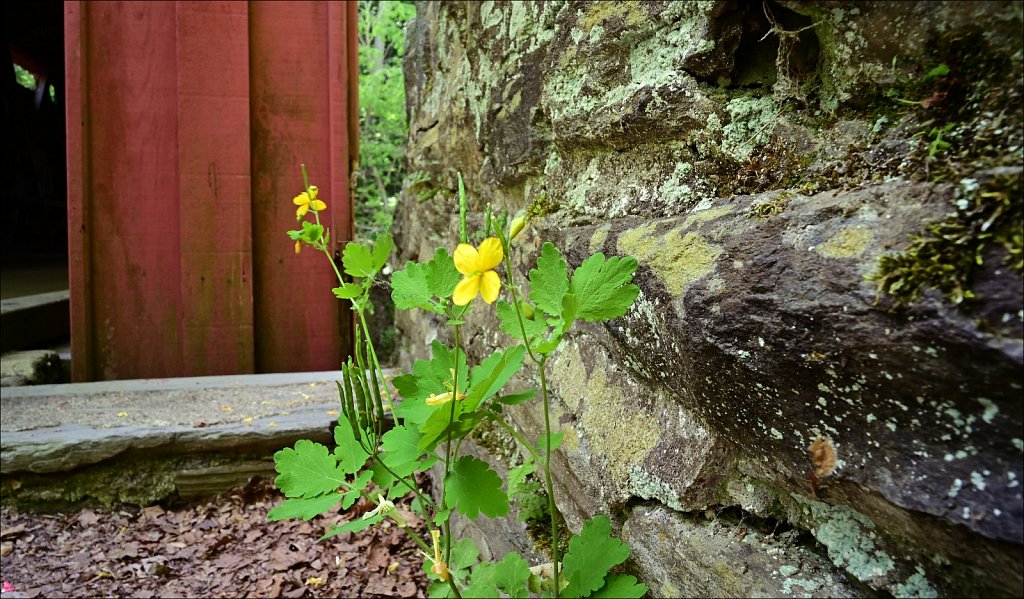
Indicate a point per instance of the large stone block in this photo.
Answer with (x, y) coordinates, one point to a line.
(758, 160)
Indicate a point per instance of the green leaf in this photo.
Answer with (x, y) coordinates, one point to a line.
(437, 425)
(303, 507)
(939, 71)
(381, 477)
(570, 306)
(491, 375)
(556, 441)
(400, 449)
(472, 487)
(382, 247)
(602, 288)
(352, 495)
(549, 345)
(357, 525)
(428, 377)
(591, 554)
(358, 260)
(481, 583)
(409, 289)
(442, 276)
(620, 585)
(350, 456)
(348, 291)
(308, 470)
(549, 281)
(518, 397)
(509, 321)
(511, 574)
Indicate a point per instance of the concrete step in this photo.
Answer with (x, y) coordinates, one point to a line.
(151, 440)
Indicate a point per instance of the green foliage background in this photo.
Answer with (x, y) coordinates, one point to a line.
(383, 125)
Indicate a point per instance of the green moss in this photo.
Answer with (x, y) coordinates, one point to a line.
(542, 205)
(770, 208)
(949, 253)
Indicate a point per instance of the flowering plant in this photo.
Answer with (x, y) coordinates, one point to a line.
(386, 442)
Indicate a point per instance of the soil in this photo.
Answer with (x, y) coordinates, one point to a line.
(222, 547)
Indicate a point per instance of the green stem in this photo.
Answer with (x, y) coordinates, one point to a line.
(452, 586)
(415, 489)
(518, 437)
(448, 446)
(547, 474)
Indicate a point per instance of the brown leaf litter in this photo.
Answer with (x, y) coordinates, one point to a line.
(224, 547)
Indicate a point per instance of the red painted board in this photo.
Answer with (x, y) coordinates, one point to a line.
(214, 181)
(123, 190)
(299, 90)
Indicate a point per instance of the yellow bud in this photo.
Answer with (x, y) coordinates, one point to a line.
(516, 227)
(298, 247)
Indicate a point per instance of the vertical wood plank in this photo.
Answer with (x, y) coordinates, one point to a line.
(129, 191)
(76, 107)
(292, 87)
(213, 163)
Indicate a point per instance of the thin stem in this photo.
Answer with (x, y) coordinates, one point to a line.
(515, 299)
(448, 445)
(547, 474)
(518, 437)
(415, 489)
(452, 586)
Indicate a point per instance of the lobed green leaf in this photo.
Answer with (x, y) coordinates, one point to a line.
(472, 487)
(306, 508)
(308, 470)
(602, 288)
(357, 259)
(549, 280)
(591, 554)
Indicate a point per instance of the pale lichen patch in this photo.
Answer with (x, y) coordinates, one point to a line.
(677, 262)
(847, 243)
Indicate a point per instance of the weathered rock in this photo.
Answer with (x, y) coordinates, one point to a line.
(758, 161)
(141, 442)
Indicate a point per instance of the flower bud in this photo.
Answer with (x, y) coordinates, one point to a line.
(516, 227)
(527, 309)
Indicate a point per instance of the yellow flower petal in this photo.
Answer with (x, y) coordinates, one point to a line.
(438, 399)
(318, 205)
(466, 259)
(298, 247)
(301, 199)
(466, 290)
(490, 285)
(303, 209)
(313, 190)
(490, 254)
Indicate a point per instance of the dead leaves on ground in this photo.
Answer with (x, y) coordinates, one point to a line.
(222, 548)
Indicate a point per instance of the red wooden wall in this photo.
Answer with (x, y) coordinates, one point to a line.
(187, 122)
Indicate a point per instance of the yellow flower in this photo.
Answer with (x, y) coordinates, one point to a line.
(477, 268)
(307, 200)
(441, 399)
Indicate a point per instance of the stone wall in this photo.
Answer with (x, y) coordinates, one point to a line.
(758, 160)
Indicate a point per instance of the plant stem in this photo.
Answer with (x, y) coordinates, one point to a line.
(547, 474)
(451, 584)
(518, 437)
(448, 446)
(415, 488)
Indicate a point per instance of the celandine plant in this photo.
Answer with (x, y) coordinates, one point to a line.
(382, 443)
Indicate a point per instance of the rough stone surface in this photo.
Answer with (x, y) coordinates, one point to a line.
(140, 442)
(758, 159)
